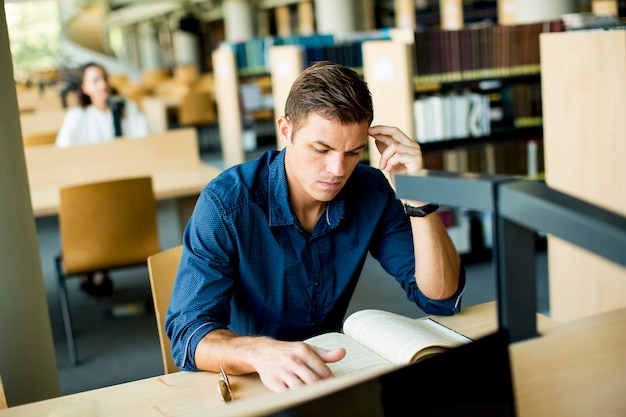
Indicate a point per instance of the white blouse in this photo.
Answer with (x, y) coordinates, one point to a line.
(84, 125)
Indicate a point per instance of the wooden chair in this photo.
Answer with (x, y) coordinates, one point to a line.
(163, 267)
(206, 83)
(3, 398)
(151, 78)
(187, 73)
(36, 139)
(103, 226)
(197, 109)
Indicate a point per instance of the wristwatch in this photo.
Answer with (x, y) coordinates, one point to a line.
(420, 211)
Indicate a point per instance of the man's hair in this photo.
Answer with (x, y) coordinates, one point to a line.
(332, 91)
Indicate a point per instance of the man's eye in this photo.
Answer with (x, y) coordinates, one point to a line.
(319, 150)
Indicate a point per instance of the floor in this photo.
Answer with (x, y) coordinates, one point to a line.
(117, 337)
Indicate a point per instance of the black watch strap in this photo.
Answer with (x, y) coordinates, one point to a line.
(420, 211)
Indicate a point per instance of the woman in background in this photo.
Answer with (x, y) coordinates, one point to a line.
(93, 120)
(100, 117)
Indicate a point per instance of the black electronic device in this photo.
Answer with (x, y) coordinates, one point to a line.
(471, 380)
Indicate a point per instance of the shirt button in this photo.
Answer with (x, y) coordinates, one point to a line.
(317, 283)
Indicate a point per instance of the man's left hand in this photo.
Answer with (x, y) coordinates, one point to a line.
(399, 154)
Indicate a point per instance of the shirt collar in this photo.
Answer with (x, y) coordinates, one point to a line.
(280, 212)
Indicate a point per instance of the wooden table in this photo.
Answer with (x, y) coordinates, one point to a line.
(171, 159)
(573, 369)
(42, 121)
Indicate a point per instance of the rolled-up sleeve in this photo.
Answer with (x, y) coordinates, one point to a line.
(445, 307)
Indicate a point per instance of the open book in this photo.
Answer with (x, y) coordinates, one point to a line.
(377, 339)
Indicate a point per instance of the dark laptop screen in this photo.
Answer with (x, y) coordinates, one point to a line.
(470, 380)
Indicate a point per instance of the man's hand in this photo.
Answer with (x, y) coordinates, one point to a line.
(284, 365)
(280, 365)
(399, 154)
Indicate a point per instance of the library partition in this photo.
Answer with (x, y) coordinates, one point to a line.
(520, 209)
(229, 112)
(286, 63)
(584, 100)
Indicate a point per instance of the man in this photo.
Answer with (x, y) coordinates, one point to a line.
(274, 248)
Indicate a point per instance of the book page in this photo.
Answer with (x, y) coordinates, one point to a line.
(398, 338)
(357, 358)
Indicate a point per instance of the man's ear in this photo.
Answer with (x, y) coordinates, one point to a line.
(284, 128)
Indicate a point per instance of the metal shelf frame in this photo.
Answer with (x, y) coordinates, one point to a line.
(521, 208)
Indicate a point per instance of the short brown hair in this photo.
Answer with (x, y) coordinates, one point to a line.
(332, 91)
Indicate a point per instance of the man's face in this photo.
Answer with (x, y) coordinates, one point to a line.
(320, 157)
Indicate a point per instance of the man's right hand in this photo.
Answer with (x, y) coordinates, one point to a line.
(280, 365)
(285, 365)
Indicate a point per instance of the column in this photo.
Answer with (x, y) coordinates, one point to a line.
(229, 114)
(185, 42)
(306, 18)
(149, 48)
(283, 21)
(527, 11)
(335, 17)
(366, 15)
(27, 360)
(238, 20)
(405, 13)
(451, 12)
(605, 7)
(131, 46)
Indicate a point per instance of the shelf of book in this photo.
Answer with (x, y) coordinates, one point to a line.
(497, 135)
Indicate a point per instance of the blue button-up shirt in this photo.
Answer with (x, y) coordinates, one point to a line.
(249, 266)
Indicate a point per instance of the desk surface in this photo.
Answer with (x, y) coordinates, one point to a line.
(560, 373)
(171, 159)
(42, 121)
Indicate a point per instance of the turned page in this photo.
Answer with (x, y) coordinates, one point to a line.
(398, 338)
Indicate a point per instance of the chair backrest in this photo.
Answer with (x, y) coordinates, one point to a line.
(105, 225)
(187, 73)
(150, 78)
(3, 398)
(197, 108)
(163, 267)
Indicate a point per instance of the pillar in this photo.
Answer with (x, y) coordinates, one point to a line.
(306, 18)
(529, 11)
(185, 42)
(238, 20)
(335, 17)
(451, 12)
(27, 361)
(283, 21)
(366, 15)
(130, 41)
(405, 13)
(149, 48)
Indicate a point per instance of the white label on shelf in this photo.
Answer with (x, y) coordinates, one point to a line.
(221, 69)
(384, 69)
(281, 68)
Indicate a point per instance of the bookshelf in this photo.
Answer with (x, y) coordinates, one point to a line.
(441, 72)
(584, 100)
